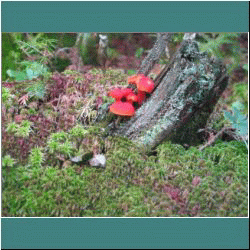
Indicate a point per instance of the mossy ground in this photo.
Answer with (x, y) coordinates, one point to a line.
(42, 181)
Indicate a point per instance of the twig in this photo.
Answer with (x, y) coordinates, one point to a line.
(212, 140)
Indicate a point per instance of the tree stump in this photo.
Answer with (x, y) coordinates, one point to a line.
(185, 95)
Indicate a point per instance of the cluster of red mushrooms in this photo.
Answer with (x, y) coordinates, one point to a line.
(125, 98)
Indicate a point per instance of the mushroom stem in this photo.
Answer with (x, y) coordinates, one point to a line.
(117, 122)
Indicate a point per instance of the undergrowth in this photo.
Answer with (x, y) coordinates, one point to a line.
(51, 128)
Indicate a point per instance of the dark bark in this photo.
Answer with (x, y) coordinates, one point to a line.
(188, 89)
(155, 53)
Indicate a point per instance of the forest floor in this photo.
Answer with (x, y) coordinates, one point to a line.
(52, 127)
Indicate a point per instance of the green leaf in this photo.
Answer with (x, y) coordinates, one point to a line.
(139, 52)
(238, 120)
(18, 75)
(35, 69)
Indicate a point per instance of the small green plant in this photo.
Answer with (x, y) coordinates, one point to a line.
(240, 92)
(222, 45)
(21, 130)
(177, 38)
(11, 54)
(38, 47)
(37, 90)
(32, 111)
(139, 52)
(8, 161)
(59, 142)
(24, 129)
(5, 95)
(36, 157)
(7, 98)
(238, 120)
(78, 131)
(12, 127)
(30, 71)
(112, 53)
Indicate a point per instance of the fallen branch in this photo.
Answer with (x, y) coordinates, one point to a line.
(214, 138)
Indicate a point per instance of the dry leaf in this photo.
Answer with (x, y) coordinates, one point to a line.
(23, 100)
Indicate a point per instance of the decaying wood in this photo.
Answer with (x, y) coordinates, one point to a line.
(155, 53)
(186, 94)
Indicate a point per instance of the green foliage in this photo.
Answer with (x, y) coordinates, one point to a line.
(11, 54)
(238, 120)
(37, 90)
(17, 75)
(36, 157)
(12, 127)
(177, 38)
(223, 173)
(222, 45)
(131, 72)
(245, 67)
(58, 142)
(7, 98)
(78, 131)
(71, 144)
(35, 69)
(133, 184)
(24, 129)
(8, 161)
(21, 130)
(112, 53)
(39, 47)
(32, 111)
(31, 70)
(44, 192)
(139, 52)
(240, 93)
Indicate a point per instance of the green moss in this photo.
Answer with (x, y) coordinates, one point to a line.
(36, 157)
(133, 184)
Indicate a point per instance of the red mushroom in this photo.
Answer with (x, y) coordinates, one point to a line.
(135, 79)
(127, 92)
(118, 94)
(132, 98)
(145, 85)
(122, 109)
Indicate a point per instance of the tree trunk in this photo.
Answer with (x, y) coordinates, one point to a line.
(185, 95)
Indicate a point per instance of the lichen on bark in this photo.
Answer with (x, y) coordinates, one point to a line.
(187, 93)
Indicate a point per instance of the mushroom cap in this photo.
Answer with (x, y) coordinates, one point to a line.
(135, 79)
(127, 92)
(145, 84)
(116, 94)
(132, 98)
(122, 108)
